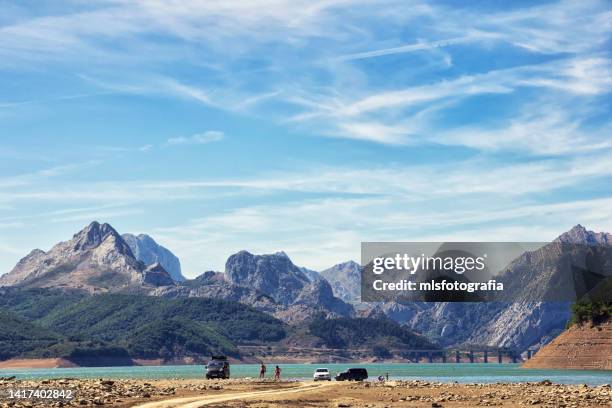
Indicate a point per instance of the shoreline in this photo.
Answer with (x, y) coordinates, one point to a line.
(65, 363)
(26, 363)
(36, 363)
(42, 363)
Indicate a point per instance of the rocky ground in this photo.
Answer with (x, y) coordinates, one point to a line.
(584, 346)
(266, 394)
(107, 392)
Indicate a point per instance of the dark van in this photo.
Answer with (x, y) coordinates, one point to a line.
(353, 374)
(218, 367)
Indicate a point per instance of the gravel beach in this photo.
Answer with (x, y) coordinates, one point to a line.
(251, 393)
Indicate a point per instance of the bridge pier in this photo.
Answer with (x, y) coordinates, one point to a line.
(473, 355)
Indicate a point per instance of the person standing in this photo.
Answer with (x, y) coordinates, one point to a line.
(277, 372)
(262, 371)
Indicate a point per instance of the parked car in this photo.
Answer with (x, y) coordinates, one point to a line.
(353, 374)
(218, 367)
(322, 374)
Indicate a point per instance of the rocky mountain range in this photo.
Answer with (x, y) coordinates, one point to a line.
(276, 276)
(270, 283)
(98, 259)
(521, 324)
(146, 250)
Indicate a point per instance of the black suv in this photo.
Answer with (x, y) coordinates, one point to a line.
(218, 367)
(353, 374)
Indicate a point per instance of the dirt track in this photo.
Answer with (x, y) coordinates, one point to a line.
(195, 402)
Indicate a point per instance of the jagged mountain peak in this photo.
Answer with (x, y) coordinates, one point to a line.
(277, 276)
(349, 263)
(35, 253)
(94, 234)
(349, 267)
(96, 259)
(148, 251)
(345, 279)
(241, 266)
(580, 235)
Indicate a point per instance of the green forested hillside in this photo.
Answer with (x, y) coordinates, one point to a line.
(88, 329)
(18, 336)
(177, 337)
(366, 332)
(111, 317)
(33, 304)
(122, 326)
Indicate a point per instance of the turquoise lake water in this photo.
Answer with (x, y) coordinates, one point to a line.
(463, 373)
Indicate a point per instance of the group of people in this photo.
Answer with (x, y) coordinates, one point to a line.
(262, 372)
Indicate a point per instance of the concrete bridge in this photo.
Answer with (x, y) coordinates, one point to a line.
(467, 354)
(460, 355)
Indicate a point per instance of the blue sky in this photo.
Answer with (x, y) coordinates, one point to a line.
(303, 126)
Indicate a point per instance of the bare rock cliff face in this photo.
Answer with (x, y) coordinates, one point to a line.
(345, 279)
(286, 284)
(149, 252)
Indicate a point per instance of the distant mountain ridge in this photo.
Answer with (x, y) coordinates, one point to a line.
(273, 274)
(146, 250)
(278, 277)
(96, 259)
(522, 324)
(580, 235)
(345, 279)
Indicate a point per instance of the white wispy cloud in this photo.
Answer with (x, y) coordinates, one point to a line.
(44, 174)
(197, 139)
(354, 204)
(233, 31)
(425, 45)
(545, 127)
(51, 99)
(329, 231)
(467, 178)
(397, 116)
(316, 66)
